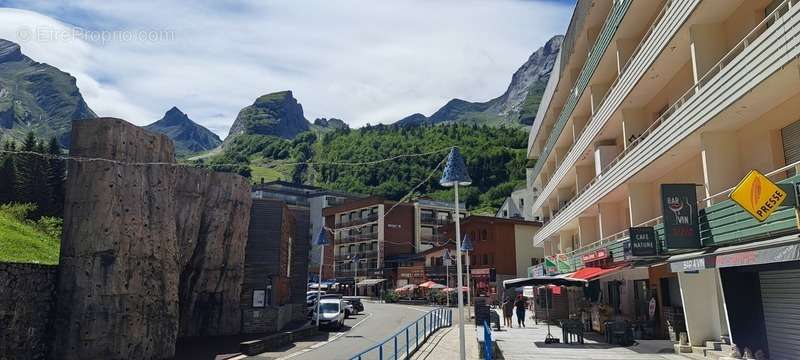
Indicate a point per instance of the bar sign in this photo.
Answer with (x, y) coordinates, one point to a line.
(643, 241)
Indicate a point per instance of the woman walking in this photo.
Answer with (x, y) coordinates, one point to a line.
(508, 307)
(520, 305)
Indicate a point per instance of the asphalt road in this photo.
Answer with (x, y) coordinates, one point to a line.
(375, 324)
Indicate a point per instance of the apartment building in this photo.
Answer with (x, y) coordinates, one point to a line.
(381, 236)
(693, 95)
(309, 199)
(514, 205)
(430, 216)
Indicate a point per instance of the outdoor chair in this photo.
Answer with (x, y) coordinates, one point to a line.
(572, 331)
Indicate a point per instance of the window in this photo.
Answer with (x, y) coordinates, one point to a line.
(505, 213)
(484, 235)
(535, 261)
(472, 259)
(485, 259)
(521, 203)
(351, 249)
(343, 218)
(341, 250)
(491, 259)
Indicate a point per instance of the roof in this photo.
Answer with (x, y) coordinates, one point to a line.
(448, 245)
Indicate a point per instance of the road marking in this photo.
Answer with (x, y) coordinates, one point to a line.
(321, 343)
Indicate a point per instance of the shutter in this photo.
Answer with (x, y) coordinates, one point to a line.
(791, 144)
(780, 294)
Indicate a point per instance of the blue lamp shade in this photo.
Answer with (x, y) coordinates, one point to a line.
(322, 238)
(466, 244)
(455, 171)
(355, 259)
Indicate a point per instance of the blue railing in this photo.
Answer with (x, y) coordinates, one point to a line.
(402, 344)
(488, 345)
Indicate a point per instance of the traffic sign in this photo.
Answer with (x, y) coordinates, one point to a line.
(758, 195)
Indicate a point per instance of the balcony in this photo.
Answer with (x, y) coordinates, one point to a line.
(433, 220)
(360, 254)
(664, 26)
(362, 271)
(607, 32)
(347, 239)
(356, 222)
(767, 48)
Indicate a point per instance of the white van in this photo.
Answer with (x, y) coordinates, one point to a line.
(332, 311)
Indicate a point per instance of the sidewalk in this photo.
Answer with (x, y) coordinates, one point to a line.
(528, 343)
(443, 345)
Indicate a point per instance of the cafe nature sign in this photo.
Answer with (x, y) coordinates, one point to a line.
(757, 195)
(679, 214)
(643, 241)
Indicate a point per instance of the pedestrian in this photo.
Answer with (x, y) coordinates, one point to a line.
(520, 305)
(508, 306)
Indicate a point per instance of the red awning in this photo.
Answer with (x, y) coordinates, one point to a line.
(591, 273)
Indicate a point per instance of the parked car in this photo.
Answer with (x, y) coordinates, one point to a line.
(348, 309)
(358, 306)
(331, 313)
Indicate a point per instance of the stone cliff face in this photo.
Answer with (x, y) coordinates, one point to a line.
(277, 114)
(146, 248)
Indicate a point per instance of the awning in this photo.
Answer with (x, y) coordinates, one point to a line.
(369, 282)
(786, 248)
(543, 280)
(593, 273)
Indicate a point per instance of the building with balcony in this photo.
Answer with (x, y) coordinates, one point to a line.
(652, 93)
(503, 245)
(429, 218)
(308, 199)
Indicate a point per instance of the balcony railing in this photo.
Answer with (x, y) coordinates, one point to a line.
(773, 17)
(360, 254)
(437, 238)
(354, 222)
(433, 220)
(622, 71)
(347, 239)
(607, 32)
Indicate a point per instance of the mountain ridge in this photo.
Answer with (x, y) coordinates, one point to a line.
(187, 135)
(37, 97)
(516, 106)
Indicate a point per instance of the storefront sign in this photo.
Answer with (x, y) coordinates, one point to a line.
(760, 256)
(564, 265)
(758, 195)
(550, 266)
(679, 210)
(696, 264)
(595, 255)
(536, 270)
(643, 241)
(479, 273)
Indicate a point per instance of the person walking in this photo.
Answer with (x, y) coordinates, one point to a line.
(508, 307)
(520, 305)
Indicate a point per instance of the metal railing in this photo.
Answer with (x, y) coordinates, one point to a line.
(488, 344)
(402, 344)
(361, 254)
(694, 89)
(346, 239)
(359, 221)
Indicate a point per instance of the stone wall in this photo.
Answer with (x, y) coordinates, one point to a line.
(27, 298)
(149, 252)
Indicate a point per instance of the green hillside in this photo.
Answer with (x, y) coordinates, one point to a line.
(495, 157)
(27, 241)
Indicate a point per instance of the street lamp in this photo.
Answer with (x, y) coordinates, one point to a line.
(455, 174)
(466, 246)
(355, 260)
(321, 240)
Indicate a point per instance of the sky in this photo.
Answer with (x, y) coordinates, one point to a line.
(363, 61)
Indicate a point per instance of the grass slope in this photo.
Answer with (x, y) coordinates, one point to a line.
(23, 241)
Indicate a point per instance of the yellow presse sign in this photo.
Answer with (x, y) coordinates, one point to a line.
(758, 195)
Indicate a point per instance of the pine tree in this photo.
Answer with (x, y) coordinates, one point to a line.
(56, 172)
(32, 183)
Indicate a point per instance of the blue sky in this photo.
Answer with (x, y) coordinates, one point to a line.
(362, 61)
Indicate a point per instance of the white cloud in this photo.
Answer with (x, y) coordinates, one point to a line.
(362, 61)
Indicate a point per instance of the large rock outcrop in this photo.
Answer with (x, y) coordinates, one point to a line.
(144, 247)
(187, 135)
(277, 114)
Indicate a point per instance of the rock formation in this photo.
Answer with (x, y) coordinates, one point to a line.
(187, 135)
(146, 248)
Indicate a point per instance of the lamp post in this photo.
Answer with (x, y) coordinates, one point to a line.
(355, 260)
(455, 174)
(447, 260)
(466, 246)
(321, 240)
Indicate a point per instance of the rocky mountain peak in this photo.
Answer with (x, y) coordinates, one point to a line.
(276, 114)
(332, 123)
(187, 135)
(9, 51)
